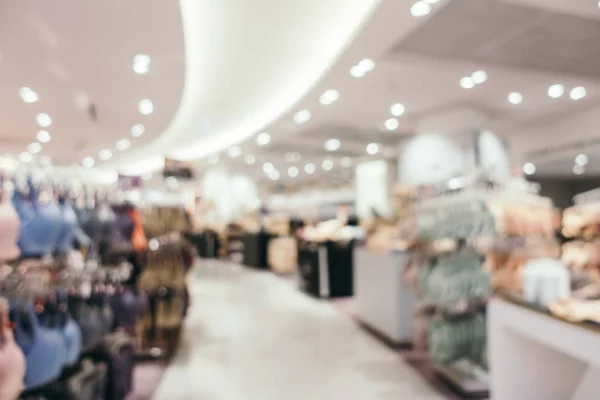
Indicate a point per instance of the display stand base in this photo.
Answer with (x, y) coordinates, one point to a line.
(391, 343)
(468, 385)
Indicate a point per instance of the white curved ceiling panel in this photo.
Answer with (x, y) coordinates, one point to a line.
(247, 63)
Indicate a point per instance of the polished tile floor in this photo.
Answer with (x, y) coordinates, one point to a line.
(253, 336)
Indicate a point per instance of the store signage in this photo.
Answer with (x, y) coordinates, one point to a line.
(178, 169)
(126, 182)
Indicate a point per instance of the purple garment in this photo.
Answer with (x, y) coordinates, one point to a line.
(127, 307)
(119, 382)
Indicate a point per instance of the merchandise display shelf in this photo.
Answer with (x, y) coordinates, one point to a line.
(534, 355)
(255, 249)
(383, 303)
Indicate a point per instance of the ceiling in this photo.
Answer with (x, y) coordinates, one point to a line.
(72, 63)
(227, 71)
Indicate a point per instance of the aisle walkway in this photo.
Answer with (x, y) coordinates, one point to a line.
(252, 336)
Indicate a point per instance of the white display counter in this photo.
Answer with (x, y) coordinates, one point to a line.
(536, 356)
(382, 301)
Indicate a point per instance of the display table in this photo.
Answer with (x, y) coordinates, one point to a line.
(382, 301)
(325, 269)
(534, 355)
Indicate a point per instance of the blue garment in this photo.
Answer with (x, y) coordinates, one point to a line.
(67, 230)
(44, 348)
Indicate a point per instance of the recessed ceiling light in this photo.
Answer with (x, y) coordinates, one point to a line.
(391, 124)
(28, 95)
(105, 154)
(332, 145)
(479, 76)
(366, 64)
(34, 148)
(420, 9)
(25, 157)
(515, 98)
(397, 109)
(138, 130)
(467, 82)
(310, 168)
(123, 144)
(293, 172)
(529, 168)
(329, 96)
(302, 116)
(296, 157)
(577, 93)
(555, 91)
(263, 139)
(213, 159)
(578, 169)
(44, 136)
(274, 175)
(372, 148)
(327, 165)
(234, 151)
(268, 168)
(141, 63)
(249, 159)
(357, 71)
(88, 162)
(346, 162)
(43, 120)
(581, 159)
(145, 107)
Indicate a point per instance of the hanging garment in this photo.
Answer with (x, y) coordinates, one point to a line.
(9, 231)
(67, 229)
(12, 361)
(44, 349)
(138, 236)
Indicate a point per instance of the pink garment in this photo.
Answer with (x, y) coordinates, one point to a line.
(12, 367)
(9, 230)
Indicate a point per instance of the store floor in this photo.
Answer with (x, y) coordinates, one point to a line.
(252, 335)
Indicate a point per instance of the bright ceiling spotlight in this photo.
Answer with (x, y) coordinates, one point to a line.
(213, 159)
(372, 149)
(420, 9)
(28, 95)
(366, 64)
(263, 139)
(310, 168)
(43, 120)
(479, 77)
(138, 130)
(141, 64)
(578, 169)
(391, 124)
(268, 168)
(327, 165)
(529, 168)
(555, 91)
(577, 93)
(249, 159)
(88, 162)
(302, 116)
(346, 162)
(105, 154)
(515, 98)
(357, 72)
(466, 82)
(332, 145)
(296, 157)
(25, 157)
(123, 144)
(581, 159)
(44, 136)
(34, 148)
(329, 96)
(274, 175)
(397, 109)
(145, 107)
(293, 172)
(234, 151)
